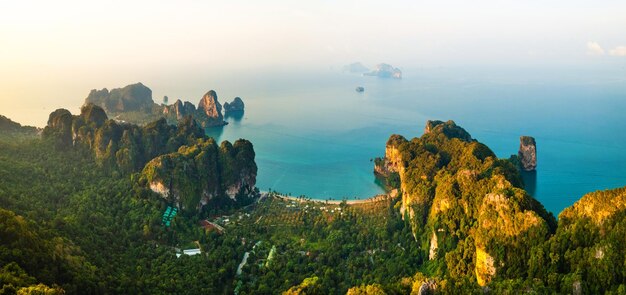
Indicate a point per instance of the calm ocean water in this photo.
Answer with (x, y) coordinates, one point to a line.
(314, 135)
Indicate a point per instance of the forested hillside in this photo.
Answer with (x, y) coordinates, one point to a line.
(81, 214)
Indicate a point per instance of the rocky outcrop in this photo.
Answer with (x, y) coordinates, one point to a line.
(427, 287)
(485, 269)
(447, 178)
(134, 104)
(235, 106)
(123, 147)
(385, 71)
(178, 162)
(93, 114)
(432, 253)
(392, 162)
(60, 127)
(132, 98)
(195, 175)
(527, 153)
(178, 110)
(209, 111)
(449, 129)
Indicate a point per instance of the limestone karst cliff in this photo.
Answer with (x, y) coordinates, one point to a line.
(179, 162)
(458, 197)
(134, 104)
(209, 112)
(527, 153)
(195, 175)
(236, 105)
(134, 97)
(178, 110)
(119, 145)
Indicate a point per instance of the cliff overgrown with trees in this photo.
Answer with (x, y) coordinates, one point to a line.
(79, 215)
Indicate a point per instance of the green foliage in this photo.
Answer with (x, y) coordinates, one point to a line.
(203, 171)
(40, 289)
(460, 198)
(374, 289)
(117, 146)
(12, 131)
(81, 220)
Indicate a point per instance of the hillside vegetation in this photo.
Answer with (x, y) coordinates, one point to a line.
(82, 206)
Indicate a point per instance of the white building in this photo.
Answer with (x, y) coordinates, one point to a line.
(189, 252)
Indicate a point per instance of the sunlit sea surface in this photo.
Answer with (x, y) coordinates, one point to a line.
(314, 135)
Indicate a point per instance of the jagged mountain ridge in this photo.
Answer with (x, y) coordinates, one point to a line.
(129, 148)
(134, 104)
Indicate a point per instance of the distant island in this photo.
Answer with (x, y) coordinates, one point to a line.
(381, 70)
(134, 104)
(385, 71)
(236, 105)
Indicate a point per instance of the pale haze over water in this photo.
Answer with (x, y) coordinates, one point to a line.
(500, 69)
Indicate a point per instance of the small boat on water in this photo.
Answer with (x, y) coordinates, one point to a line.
(360, 89)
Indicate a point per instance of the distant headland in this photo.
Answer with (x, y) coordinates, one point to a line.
(381, 70)
(134, 104)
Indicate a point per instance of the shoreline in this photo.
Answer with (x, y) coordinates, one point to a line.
(392, 194)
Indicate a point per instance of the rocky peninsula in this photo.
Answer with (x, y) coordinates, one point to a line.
(134, 104)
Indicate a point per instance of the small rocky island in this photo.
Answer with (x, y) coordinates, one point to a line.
(236, 105)
(134, 104)
(384, 70)
(527, 153)
(360, 89)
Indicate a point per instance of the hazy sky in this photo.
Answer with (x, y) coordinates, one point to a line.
(51, 43)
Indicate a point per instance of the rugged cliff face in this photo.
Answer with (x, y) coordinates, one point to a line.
(59, 127)
(134, 104)
(134, 97)
(178, 110)
(459, 198)
(119, 146)
(392, 162)
(195, 175)
(527, 153)
(178, 162)
(209, 111)
(235, 106)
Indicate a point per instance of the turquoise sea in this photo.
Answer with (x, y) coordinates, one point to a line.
(314, 135)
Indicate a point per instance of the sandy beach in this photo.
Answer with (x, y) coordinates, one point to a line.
(376, 198)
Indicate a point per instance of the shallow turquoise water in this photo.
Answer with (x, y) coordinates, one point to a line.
(314, 135)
